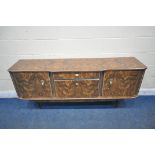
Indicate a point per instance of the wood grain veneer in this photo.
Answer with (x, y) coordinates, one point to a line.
(85, 64)
(77, 79)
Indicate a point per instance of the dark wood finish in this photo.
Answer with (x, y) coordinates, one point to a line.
(73, 75)
(78, 79)
(121, 83)
(84, 99)
(65, 88)
(79, 89)
(87, 88)
(32, 84)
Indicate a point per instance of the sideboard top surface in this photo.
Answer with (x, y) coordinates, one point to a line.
(77, 64)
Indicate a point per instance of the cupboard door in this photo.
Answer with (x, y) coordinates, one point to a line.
(87, 88)
(122, 83)
(32, 84)
(64, 88)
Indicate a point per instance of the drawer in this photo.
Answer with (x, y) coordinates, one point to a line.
(76, 75)
(76, 88)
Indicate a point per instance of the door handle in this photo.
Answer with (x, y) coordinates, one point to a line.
(110, 81)
(42, 82)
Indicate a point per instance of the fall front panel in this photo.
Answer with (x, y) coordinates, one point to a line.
(65, 88)
(76, 88)
(87, 88)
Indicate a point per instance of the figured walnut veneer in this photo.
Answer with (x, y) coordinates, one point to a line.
(73, 75)
(32, 84)
(81, 88)
(77, 79)
(124, 83)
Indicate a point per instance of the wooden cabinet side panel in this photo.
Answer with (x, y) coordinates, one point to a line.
(122, 83)
(33, 84)
(15, 84)
(139, 80)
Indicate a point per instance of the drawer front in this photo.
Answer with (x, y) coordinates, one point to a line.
(74, 75)
(76, 88)
(122, 83)
(32, 84)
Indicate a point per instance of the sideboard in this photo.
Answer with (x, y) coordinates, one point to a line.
(77, 79)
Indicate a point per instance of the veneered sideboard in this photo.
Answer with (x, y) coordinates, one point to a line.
(85, 79)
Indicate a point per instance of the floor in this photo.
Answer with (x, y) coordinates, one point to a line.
(134, 113)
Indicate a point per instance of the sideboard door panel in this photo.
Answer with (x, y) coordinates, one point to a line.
(122, 83)
(64, 88)
(87, 88)
(33, 84)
